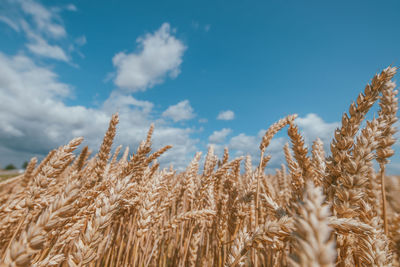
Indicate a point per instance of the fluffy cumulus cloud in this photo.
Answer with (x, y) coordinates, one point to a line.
(159, 55)
(226, 115)
(179, 112)
(35, 118)
(218, 137)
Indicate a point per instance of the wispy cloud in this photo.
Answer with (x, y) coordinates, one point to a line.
(42, 26)
(42, 48)
(196, 25)
(71, 7)
(13, 25)
(46, 22)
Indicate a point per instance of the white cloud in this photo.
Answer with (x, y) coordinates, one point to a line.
(226, 115)
(183, 145)
(45, 20)
(35, 119)
(39, 46)
(313, 127)
(179, 112)
(218, 137)
(160, 55)
(42, 26)
(42, 48)
(32, 105)
(244, 144)
(207, 28)
(123, 103)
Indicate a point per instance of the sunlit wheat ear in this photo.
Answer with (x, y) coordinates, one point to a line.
(318, 163)
(313, 244)
(189, 182)
(157, 154)
(269, 134)
(239, 249)
(344, 136)
(387, 117)
(210, 162)
(80, 161)
(116, 154)
(296, 177)
(300, 151)
(107, 207)
(104, 152)
(124, 158)
(61, 159)
(43, 163)
(28, 172)
(194, 246)
(201, 215)
(274, 128)
(139, 161)
(225, 157)
(34, 238)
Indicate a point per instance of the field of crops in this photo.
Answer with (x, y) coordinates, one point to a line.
(112, 210)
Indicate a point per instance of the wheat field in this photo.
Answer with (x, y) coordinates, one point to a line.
(124, 210)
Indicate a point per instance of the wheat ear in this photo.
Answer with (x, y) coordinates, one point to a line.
(104, 152)
(313, 246)
(387, 117)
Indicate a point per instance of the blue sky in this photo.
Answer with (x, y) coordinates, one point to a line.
(68, 65)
